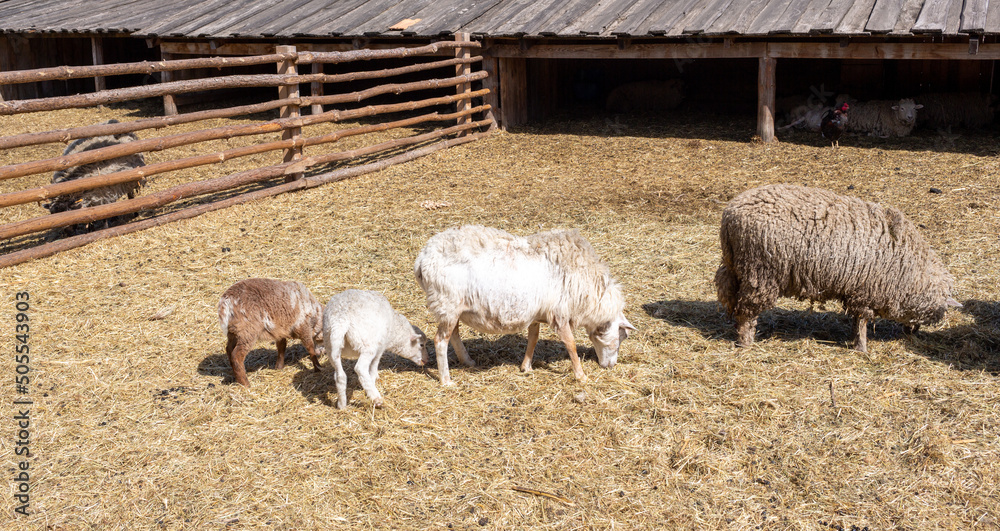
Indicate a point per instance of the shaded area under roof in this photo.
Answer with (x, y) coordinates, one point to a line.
(500, 18)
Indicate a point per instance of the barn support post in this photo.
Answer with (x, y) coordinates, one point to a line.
(513, 91)
(765, 97)
(289, 67)
(491, 66)
(463, 70)
(169, 105)
(97, 51)
(316, 88)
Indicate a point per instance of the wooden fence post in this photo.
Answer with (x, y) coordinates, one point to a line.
(463, 69)
(289, 67)
(97, 51)
(317, 88)
(169, 105)
(765, 97)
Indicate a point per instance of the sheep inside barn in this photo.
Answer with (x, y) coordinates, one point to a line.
(812, 244)
(884, 118)
(102, 195)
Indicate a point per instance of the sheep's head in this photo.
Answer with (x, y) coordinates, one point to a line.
(415, 347)
(906, 111)
(607, 338)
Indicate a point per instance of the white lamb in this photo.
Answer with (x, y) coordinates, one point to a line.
(499, 283)
(364, 323)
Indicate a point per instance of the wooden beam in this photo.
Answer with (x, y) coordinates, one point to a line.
(463, 69)
(289, 111)
(833, 50)
(97, 52)
(678, 50)
(316, 88)
(765, 98)
(169, 104)
(513, 92)
(491, 65)
(778, 50)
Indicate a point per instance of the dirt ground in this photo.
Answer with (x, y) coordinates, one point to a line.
(136, 423)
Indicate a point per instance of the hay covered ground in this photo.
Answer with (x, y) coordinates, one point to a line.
(136, 423)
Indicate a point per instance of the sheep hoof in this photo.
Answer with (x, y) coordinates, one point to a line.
(525, 368)
(447, 383)
(377, 402)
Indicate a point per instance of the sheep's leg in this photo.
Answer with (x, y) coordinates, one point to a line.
(456, 343)
(237, 352)
(860, 333)
(363, 367)
(746, 329)
(532, 341)
(307, 342)
(281, 344)
(566, 335)
(441, 351)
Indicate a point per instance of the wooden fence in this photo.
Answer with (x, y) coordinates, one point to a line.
(463, 122)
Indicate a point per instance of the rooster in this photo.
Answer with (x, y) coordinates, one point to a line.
(833, 123)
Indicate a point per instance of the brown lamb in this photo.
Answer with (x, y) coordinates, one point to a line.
(280, 310)
(810, 243)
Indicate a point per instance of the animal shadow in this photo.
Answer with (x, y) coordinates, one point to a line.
(509, 350)
(974, 347)
(322, 386)
(707, 317)
(775, 323)
(257, 359)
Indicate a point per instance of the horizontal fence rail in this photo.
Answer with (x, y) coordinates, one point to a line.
(469, 118)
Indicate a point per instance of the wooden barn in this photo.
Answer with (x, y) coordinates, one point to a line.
(544, 56)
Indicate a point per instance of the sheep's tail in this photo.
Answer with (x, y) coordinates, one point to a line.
(225, 314)
(726, 282)
(728, 286)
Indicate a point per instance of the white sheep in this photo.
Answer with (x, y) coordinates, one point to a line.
(883, 118)
(281, 310)
(499, 283)
(364, 323)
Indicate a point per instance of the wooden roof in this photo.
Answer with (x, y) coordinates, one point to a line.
(500, 18)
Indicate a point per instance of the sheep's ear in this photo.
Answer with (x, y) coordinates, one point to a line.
(627, 325)
(415, 339)
(952, 303)
(918, 106)
(895, 107)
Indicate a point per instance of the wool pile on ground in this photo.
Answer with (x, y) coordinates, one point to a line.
(137, 424)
